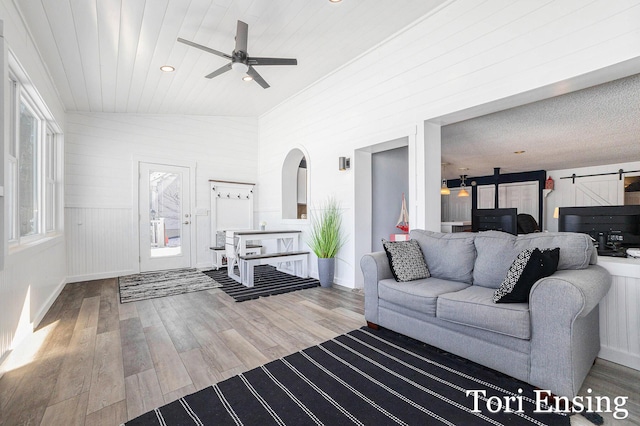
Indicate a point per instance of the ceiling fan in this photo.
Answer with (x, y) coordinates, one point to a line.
(240, 59)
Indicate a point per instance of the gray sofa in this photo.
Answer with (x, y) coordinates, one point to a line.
(550, 342)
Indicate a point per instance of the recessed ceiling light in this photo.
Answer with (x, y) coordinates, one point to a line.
(167, 68)
(335, 1)
(247, 78)
(518, 152)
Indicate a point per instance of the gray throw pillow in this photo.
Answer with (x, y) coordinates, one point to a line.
(406, 260)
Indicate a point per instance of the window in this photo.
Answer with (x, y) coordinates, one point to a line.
(28, 194)
(32, 161)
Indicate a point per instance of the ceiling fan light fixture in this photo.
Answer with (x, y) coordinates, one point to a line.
(167, 68)
(240, 67)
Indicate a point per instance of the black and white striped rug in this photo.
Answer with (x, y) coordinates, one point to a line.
(267, 281)
(365, 377)
(149, 285)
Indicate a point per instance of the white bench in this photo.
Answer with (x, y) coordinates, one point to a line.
(248, 262)
(220, 254)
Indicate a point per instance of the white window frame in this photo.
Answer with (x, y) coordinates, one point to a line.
(48, 165)
(26, 239)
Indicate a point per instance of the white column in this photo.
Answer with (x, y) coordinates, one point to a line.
(432, 161)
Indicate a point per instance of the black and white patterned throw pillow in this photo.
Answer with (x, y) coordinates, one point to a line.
(529, 266)
(406, 260)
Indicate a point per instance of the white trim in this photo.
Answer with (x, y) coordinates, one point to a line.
(135, 165)
(98, 206)
(48, 304)
(620, 357)
(100, 276)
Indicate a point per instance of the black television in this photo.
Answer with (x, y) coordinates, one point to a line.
(614, 228)
(505, 220)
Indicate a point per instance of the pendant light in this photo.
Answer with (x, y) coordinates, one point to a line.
(463, 187)
(444, 189)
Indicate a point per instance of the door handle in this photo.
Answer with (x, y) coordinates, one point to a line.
(186, 222)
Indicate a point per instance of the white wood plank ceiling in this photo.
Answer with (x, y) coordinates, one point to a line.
(105, 55)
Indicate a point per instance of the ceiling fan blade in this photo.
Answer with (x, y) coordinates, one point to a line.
(258, 78)
(205, 48)
(242, 33)
(272, 61)
(219, 71)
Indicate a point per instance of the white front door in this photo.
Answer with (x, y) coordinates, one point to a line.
(165, 217)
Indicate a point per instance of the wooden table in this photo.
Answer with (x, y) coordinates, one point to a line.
(237, 242)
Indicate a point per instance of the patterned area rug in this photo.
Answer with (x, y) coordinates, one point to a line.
(365, 377)
(150, 285)
(267, 281)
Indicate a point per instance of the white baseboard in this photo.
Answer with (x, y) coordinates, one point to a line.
(620, 357)
(343, 282)
(47, 305)
(99, 276)
(204, 266)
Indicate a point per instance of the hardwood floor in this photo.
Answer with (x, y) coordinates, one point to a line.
(94, 361)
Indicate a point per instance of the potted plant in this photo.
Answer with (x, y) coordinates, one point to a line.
(326, 239)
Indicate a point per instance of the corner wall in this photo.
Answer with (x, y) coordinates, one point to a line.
(101, 154)
(464, 55)
(33, 275)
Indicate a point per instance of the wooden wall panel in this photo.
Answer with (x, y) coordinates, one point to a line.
(101, 242)
(620, 322)
(102, 152)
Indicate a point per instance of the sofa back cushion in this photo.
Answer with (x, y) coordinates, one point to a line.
(448, 256)
(497, 250)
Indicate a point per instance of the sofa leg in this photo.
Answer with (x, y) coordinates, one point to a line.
(560, 403)
(373, 325)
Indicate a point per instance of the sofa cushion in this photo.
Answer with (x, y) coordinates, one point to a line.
(419, 295)
(497, 250)
(474, 307)
(449, 256)
(528, 267)
(406, 260)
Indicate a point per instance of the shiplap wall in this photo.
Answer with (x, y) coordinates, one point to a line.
(32, 276)
(101, 155)
(620, 317)
(464, 55)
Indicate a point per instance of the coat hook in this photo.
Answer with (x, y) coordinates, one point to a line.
(238, 195)
(228, 195)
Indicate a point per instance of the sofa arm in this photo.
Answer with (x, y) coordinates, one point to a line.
(375, 267)
(584, 290)
(565, 338)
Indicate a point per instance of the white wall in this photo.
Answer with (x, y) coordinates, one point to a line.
(32, 276)
(464, 55)
(586, 191)
(102, 151)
